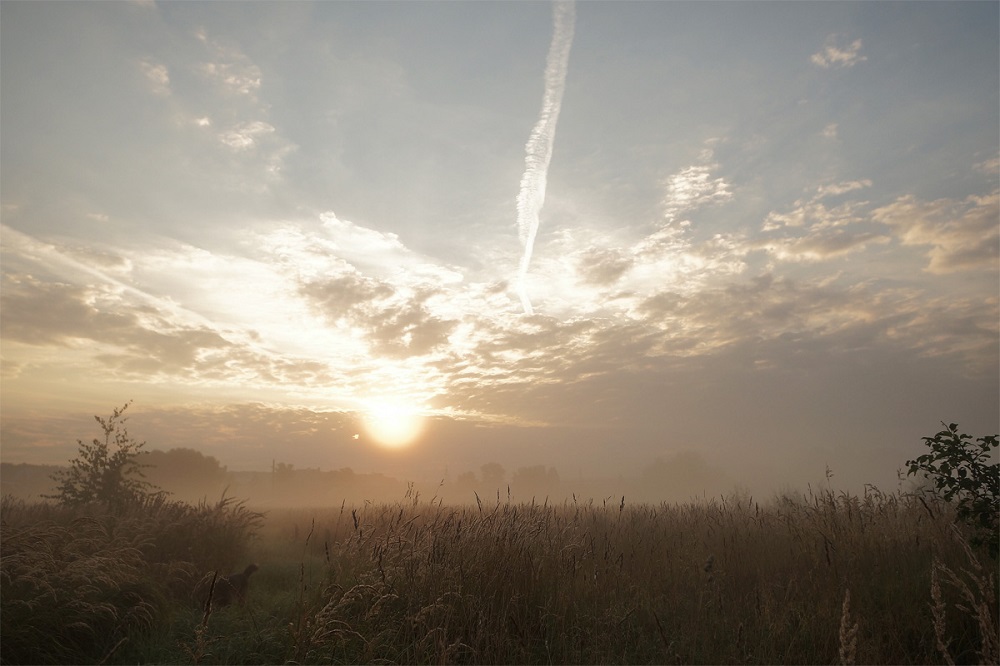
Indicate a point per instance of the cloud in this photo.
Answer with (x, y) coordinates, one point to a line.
(99, 310)
(157, 77)
(52, 313)
(236, 117)
(815, 213)
(820, 245)
(408, 329)
(839, 317)
(814, 230)
(260, 144)
(359, 240)
(835, 189)
(658, 355)
(230, 68)
(239, 78)
(672, 342)
(339, 296)
(963, 235)
(588, 273)
(990, 166)
(101, 333)
(593, 273)
(108, 261)
(837, 54)
(603, 266)
(392, 320)
(692, 188)
(368, 295)
(246, 135)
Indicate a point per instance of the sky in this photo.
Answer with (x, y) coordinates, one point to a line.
(409, 237)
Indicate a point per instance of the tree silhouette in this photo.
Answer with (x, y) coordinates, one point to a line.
(493, 474)
(105, 472)
(185, 473)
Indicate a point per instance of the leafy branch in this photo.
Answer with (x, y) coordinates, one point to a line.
(960, 470)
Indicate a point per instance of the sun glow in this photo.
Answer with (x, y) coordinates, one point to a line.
(392, 424)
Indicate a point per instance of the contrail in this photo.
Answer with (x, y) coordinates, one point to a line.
(538, 150)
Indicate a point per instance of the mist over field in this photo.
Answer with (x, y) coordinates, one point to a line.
(451, 461)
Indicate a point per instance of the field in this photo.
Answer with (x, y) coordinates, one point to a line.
(822, 577)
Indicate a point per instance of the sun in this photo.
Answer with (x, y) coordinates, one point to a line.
(393, 424)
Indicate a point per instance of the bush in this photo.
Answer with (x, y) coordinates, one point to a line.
(206, 535)
(958, 467)
(102, 473)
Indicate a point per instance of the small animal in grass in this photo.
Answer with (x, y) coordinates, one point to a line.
(227, 588)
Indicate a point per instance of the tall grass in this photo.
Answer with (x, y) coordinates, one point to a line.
(79, 584)
(71, 591)
(727, 581)
(822, 577)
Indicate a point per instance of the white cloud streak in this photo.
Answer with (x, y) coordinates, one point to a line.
(538, 151)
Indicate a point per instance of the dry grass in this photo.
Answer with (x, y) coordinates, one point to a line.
(976, 592)
(78, 585)
(727, 581)
(848, 633)
(70, 591)
(820, 578)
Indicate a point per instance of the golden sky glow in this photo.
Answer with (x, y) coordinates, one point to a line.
(770, 232)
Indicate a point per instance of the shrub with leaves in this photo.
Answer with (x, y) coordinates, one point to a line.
(960, 470)
(106, 471)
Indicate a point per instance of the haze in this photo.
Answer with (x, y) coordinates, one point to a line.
(598, 239)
